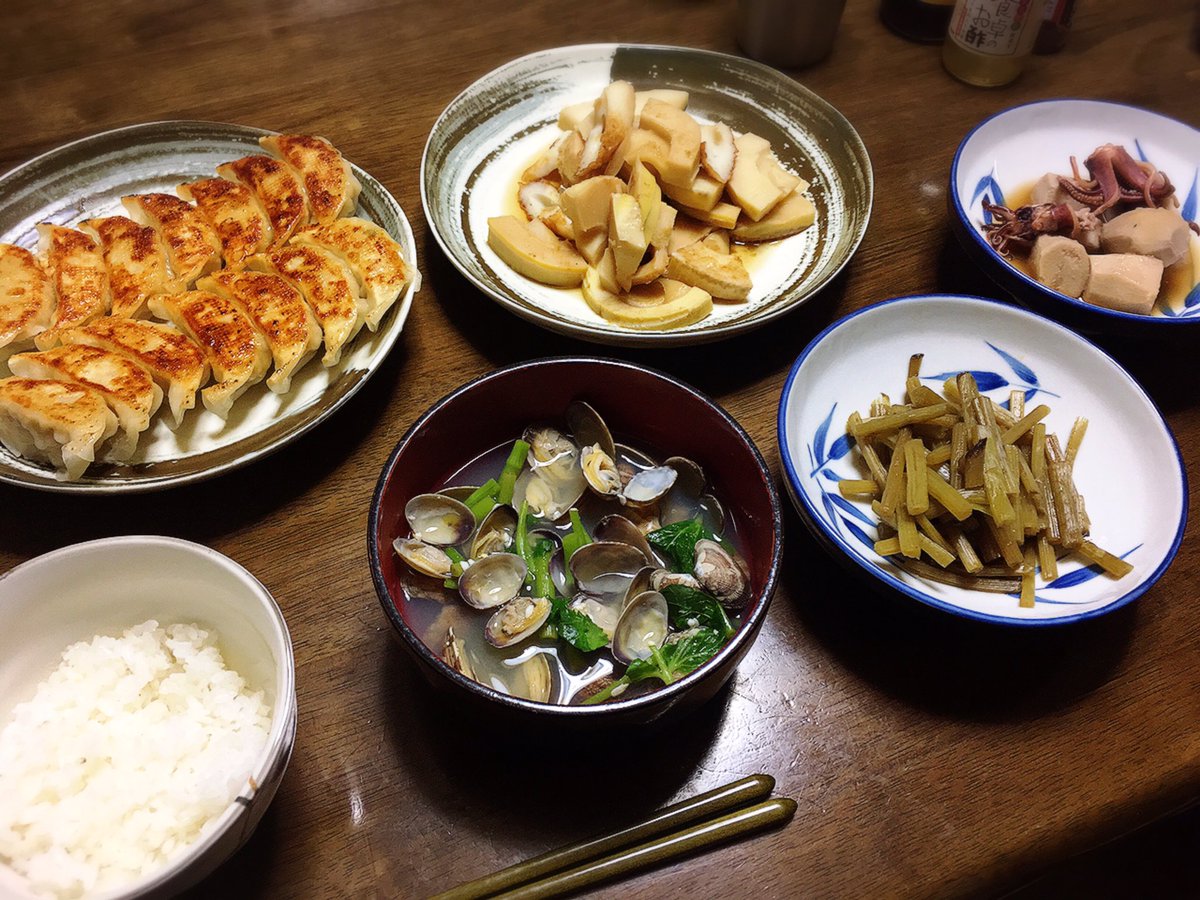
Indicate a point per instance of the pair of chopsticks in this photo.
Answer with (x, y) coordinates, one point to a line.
(670, 833)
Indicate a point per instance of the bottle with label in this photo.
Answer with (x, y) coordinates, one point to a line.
(989, 40)
(918, 20)
(1052, 36)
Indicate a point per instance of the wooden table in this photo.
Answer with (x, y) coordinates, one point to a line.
(929, 756)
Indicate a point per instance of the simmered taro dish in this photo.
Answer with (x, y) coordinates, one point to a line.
(1114, 239)
(569, 568)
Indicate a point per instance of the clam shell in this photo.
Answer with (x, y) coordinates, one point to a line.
(643, 581)
(600, 471)
(550, 496)
(454, 654)
(618, 529)
(439, 520)
(606, 567)
(495, 533)
(588, 428)
(533, 680)
(493, 580)
(643, 624)
(720, 574)
(423, 558)
(649, 485)
(516, 620)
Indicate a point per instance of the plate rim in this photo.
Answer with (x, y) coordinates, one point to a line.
(398, 315)
(1014, 274)
(846, 551)
(632, 337)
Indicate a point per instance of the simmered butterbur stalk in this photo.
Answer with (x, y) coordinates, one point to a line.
(917, 483)
(1111, 564)
(858, 489)
(1013, 434)
(981, 490)
(893, 487)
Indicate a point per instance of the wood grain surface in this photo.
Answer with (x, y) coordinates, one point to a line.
(929, 755)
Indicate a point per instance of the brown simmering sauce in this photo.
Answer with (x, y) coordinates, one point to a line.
(1178, 280)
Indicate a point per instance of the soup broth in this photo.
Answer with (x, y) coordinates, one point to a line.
(435, 608)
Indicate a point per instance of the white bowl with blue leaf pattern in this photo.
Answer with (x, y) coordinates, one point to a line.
(1004, 154)
(1128, 470)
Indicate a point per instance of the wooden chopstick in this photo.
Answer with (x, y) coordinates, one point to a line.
(669, 819)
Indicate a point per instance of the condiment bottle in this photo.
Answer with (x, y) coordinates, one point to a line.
(918, 20)
(989, 40)
(1052, 36)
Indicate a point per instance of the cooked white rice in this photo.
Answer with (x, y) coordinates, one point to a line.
(124, 754)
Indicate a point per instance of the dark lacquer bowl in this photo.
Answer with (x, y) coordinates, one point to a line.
(642, 407)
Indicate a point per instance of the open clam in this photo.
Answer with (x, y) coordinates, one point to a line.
(606, 567)
(454, 654)
(649, 485)
(600, 471)
(687, 498)
(423, 558)
(720, 574)
(589, 429)
(643, 581)
(662, 578)
(493, 580)
(516, 620)
(643, 625)
(618, 529)
(532, 679)
(439, 520)
(495, 533)
(554, 481)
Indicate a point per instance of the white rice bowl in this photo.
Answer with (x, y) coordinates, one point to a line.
(154, 687)
(128, 750)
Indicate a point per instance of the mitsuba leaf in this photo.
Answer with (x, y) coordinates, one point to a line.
(677, 542)
(686, 604)
(576, 628)
(676, 659)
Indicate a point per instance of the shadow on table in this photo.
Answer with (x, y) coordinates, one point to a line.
(717, 369)
(248, 872)
(35, 522)
(1157, 371)
(951, 666)
(618, 775)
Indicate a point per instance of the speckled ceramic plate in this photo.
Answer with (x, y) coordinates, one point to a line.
(495, 128)
(88, 178)
(1129, 470)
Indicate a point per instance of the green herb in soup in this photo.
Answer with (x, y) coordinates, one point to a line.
(579, 567)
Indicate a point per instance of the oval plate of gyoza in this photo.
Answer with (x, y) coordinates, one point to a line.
(87, 178)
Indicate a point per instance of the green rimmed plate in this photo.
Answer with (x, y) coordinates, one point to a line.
(87, 178)
(488, 135)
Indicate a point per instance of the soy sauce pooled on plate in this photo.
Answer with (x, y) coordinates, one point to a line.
(579, 570)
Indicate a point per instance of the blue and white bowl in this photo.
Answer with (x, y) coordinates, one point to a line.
(1006, 153)
(1128, 470)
